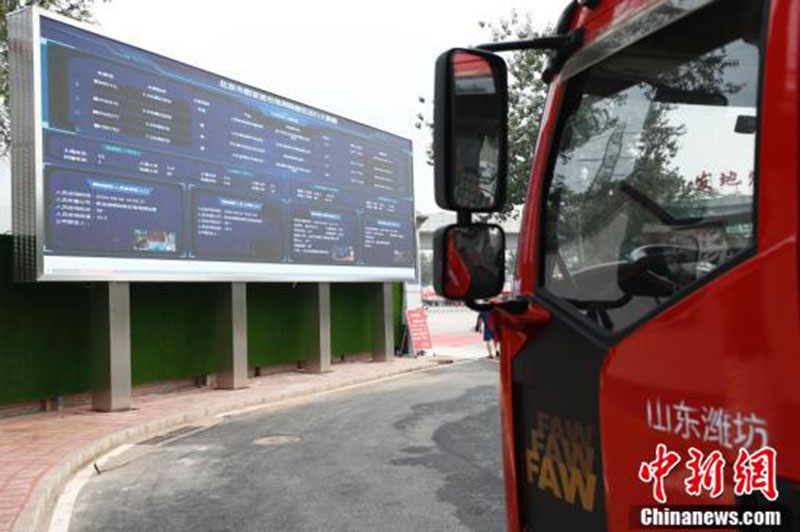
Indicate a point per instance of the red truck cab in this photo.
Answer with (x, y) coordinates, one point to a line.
(657, 290)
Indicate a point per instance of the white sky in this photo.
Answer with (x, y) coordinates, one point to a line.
(364, 59)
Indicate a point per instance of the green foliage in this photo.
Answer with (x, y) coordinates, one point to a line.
(44, 336)
(511, 263)
(172, 330)
(527, 94)
(352, 318)
(654, 174)
(74, 9)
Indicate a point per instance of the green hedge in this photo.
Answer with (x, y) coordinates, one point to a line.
(44, 336)
(44, 329)
(352, 318)
(275, 317)
(171, 330)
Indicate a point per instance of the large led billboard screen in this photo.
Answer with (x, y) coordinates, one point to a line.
(128, 165)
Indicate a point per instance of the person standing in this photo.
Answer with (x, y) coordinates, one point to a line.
(488, 336)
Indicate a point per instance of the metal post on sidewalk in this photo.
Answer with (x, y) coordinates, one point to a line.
(111, 346)
(319, 355)
(231, 336)
(383, 335)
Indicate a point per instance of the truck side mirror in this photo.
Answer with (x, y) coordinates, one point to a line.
(469, 261)
(470, 131)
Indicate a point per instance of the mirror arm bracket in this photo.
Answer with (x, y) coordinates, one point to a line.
(562, 46)
(562, 54)
(553, 42)
(514, 306)
(478, 307)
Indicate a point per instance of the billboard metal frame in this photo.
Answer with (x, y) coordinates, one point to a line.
(28, 208)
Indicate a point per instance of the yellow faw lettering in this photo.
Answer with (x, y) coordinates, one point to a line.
(531, 464)
(578, 432)
(556, 428)
(548, 478)
(551, 448)
(573, 481)
(577, 455)
(543, 421)
(536, 442)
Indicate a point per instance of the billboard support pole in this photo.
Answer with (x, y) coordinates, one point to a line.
(319, 360)
(231, 336)
(383, 337)
(111, 346)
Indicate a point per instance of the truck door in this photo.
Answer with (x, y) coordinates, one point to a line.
(649, 260)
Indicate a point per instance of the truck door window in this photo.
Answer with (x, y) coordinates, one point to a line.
(653, 181)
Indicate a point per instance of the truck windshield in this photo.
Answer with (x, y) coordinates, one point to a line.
(652, 185)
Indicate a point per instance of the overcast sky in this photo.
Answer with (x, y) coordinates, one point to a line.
(364, 59)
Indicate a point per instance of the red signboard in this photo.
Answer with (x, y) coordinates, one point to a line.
(417, 320)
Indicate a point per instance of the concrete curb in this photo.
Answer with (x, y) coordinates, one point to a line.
(38, 509)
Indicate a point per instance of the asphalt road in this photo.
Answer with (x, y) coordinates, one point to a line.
(416, 453)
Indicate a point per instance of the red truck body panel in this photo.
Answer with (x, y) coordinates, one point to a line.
(733, 343)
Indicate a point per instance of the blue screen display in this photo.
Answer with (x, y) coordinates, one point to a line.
(146, 157)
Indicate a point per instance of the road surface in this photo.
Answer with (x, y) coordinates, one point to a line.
(415, 453)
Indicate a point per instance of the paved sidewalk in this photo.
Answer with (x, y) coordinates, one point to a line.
(39, 453)
(457, 340)
(460, 345)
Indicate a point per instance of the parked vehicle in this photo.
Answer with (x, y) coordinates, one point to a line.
(657, 290)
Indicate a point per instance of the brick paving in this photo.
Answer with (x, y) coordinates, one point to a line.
(39, 453)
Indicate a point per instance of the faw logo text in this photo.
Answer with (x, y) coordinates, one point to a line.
(560, 459)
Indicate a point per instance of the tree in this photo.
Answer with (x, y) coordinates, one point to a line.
(75, 9)
(583, 214)
(526, 98)
(527, 94)
(511, 263)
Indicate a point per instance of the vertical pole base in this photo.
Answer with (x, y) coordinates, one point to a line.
(111, 347)
(383, 335)
(319, 358)
(231, 336)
